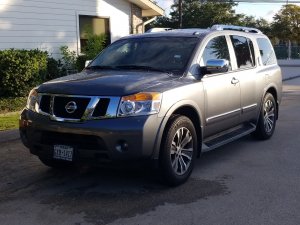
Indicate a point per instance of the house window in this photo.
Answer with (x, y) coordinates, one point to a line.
(94, 25)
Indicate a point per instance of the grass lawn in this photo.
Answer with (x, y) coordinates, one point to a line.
(9, 121)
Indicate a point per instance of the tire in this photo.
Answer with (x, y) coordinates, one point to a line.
(267, 118)
(178, 150)
(56, 164)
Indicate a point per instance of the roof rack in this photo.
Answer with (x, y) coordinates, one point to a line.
(237, 28)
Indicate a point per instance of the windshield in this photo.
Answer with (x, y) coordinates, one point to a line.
(168, 54)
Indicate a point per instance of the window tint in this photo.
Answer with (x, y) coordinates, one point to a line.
(216, 48)
(266, 52)
(244, 52)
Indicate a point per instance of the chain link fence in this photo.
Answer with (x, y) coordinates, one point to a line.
(283, 52)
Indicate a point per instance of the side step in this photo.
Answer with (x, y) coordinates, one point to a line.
(226, 137)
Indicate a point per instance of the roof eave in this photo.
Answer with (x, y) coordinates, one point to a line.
(148, 8)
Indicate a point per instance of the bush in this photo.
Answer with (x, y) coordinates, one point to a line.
(80, 62)
(94, 45)
(21, 70)
(53, 69)
(68, 60)
(12, 104)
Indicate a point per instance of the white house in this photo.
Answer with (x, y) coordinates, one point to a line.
(50, 24)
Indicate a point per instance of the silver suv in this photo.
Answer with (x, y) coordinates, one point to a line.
(163, 97)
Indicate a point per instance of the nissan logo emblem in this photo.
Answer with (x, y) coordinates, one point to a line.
(71, 107)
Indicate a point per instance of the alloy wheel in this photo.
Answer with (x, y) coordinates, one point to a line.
(181, 150)
(269, 115)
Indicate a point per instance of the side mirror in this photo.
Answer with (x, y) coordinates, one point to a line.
(87, 62)
(216, 66)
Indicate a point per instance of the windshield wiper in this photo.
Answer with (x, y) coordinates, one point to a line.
(139, 67)
(100, 68)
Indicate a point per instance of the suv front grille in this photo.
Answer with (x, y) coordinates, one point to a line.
(60, 107)
(45, 103)
(72, 108)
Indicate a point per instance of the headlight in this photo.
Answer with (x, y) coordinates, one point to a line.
(144, 103)
(32, 101)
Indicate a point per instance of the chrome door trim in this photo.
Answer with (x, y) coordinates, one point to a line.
(223, 116)
(249, 108)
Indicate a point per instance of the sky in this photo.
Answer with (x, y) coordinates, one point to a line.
(265, 10)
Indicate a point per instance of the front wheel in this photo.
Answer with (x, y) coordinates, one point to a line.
(267, 118)
(179, 150)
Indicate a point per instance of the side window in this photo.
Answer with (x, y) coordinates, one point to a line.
(216, 48)
(266, 52)
(244, 51)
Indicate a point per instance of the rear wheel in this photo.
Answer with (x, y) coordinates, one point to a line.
(267, 119)
(179, 150)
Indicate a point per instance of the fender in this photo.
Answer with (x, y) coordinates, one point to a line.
(171, 110)
(270, 86)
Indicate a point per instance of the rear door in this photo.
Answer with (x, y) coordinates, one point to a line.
(245, 68)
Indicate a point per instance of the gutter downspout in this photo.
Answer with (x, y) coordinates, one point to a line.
(145, 23)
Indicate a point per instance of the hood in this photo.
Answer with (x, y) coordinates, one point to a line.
(107, 83)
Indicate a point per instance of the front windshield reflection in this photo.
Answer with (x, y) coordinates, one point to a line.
(169, 54)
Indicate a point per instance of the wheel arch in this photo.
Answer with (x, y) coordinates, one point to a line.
(186, 108)
(273, 91)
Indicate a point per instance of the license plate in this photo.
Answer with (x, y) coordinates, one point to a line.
(63, 152)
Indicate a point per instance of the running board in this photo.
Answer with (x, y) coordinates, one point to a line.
(226, 137)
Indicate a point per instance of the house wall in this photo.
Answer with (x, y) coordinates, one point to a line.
(49, 24)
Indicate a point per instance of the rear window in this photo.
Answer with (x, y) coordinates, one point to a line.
(266, 51)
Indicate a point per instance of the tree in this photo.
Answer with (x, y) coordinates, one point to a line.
(202, 14)
(286, 25)
(261, 24)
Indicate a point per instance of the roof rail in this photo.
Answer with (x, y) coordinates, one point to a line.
(237, 28)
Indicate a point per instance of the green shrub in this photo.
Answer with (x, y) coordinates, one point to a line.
(21, 70)
(12, 104)
(94, 45)
(80, 62)
(68, 60)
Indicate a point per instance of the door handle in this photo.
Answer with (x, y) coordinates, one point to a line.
(234, 80)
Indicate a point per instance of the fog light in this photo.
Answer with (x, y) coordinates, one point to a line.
(122, 146)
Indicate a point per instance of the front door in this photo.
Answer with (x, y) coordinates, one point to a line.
(222, 90)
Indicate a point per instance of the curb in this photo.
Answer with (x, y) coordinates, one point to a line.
(9, 135)
(291, 78)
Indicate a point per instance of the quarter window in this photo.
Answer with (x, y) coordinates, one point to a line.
(266, 52)
(244, 51)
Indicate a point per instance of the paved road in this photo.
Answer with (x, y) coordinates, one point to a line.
(245, 182)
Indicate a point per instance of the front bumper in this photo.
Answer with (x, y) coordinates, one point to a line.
(117, 139)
